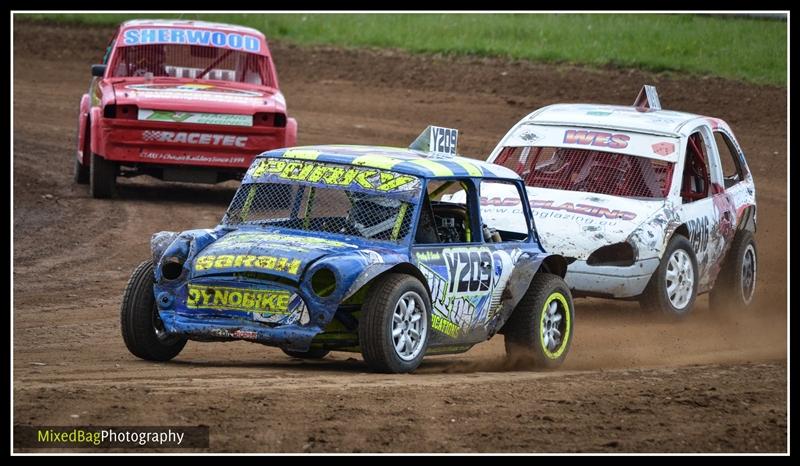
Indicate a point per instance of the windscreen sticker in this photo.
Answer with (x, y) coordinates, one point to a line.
(596, 138)
(183, 36)
(369, 179)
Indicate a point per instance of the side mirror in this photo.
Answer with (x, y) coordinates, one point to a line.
(98, 70)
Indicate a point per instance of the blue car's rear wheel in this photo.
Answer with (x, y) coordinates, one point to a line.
(539, 331)
(142, 329)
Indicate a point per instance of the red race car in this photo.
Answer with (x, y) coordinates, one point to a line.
(181, 101)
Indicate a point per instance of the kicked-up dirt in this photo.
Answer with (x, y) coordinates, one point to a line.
(713, 382)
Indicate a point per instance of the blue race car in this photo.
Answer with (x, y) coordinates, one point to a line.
(352, 248)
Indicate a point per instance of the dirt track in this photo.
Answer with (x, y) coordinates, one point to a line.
(710, 383)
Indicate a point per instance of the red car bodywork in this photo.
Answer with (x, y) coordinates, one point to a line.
(155, 122)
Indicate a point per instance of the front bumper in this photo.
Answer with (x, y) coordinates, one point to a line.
(228, 308)
(201, 145)
(610, 281)
(292, 337)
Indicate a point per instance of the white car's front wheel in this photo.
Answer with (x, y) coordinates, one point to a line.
(673, 287)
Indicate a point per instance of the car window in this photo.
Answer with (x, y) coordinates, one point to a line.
(192, 62)
(732, 170)
(587, 170)
(502, 223)
(445, 214)
(695, 184)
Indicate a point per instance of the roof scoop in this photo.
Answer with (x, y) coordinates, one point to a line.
(647, 100)
(437, 142)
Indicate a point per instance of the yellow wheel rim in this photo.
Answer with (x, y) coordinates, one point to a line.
(549, 326)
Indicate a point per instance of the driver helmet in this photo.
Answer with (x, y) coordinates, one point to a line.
(374, 216)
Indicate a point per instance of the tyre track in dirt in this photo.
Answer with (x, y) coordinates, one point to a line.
(653, 380)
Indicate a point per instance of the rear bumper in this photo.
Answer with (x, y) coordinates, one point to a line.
(610, 281)
(136, 142)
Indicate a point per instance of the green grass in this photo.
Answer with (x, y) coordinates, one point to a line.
(752, 50)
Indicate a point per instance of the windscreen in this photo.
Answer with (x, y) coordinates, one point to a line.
(321, 209)
(589, 170)
(192, 62)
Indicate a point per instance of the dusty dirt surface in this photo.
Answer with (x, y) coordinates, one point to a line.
(714, 382)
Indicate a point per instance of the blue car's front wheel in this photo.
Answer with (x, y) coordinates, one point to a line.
(142, 328)
(393, 330)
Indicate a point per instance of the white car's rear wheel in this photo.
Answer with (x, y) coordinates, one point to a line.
(736, 283)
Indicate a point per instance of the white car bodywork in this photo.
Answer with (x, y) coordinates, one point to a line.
(576, 223)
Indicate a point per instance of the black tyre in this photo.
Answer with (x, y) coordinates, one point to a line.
(672, 289)
(539, 331)
(81, 173)
(394, 328)
(102, 177)
(736, 283)
(142, 328)
(313, 353)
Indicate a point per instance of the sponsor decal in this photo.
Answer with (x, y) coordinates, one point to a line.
(596, 138)
(244, 334)
(500, 201)
(428, 256)
(466, 285)
(193, 90)
(184, 36)
(195, 138)
(272, 263)
(199, 118)
(598, 113)
(196, 92)
(237, 299)
(584, 209)
(443, 325)
(192, 158)
(698, 233)
(663, 148)
(314, 172)
(529, 136)
(469, 270)
(447, 307)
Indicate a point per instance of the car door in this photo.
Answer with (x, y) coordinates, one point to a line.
(706, 209)
(737, 181)
(457, 266)
(467, 269)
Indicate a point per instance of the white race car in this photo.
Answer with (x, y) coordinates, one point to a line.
(652, 204)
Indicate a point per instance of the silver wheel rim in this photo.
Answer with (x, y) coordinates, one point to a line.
(680, 279)
(748, 276)
(551, 335)
(409, 326)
